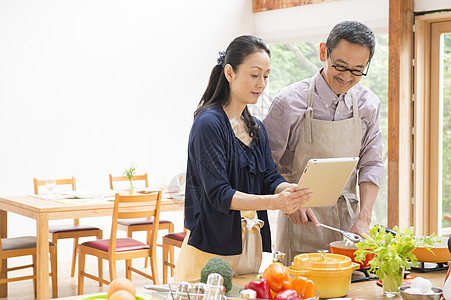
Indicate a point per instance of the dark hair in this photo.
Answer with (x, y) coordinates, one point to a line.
(353, 32)
(218, 89)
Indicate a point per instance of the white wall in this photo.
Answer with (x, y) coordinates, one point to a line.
(431, 5)
(315, 21)
(89, 86)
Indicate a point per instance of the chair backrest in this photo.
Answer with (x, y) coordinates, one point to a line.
(40, 182)
(124, 178)
(149, 207)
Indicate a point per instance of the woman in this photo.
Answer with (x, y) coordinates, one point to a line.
(230, 167)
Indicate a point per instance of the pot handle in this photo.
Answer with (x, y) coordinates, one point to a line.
(388, 230)
(449, 245)
(355, 266)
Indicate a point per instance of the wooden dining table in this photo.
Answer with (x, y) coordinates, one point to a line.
(43, 209)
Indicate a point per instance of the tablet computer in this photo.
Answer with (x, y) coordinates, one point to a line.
(326, 178)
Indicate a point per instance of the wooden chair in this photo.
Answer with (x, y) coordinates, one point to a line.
(23, 246)
(169, 241)
(133, 225)
(114, 248)
(74, 231)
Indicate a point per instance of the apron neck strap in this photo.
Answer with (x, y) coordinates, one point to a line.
(308, 115)
(355, 108)
(311, 90)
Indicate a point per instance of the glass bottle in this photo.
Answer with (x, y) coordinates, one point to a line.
(279, 256)
(214, 290)
(248, 294)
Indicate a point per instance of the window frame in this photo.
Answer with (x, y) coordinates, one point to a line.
(427, 129)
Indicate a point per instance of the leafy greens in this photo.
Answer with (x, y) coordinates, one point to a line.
(392, 253)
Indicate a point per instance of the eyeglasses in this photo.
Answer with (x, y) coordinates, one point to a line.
(341, 68)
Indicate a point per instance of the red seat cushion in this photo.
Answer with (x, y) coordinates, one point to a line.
(124, 244)
(23, 242)
(143, 221)
(65, 228)
(179, 236)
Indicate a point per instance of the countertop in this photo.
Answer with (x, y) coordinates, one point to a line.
(358, 290)
(366, 289)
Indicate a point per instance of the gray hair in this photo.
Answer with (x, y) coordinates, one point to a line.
(353, 32)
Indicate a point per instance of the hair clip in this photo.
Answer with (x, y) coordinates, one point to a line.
(221, 58)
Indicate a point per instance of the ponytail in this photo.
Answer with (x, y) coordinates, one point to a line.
(217, 90)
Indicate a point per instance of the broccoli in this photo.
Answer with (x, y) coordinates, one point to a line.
(217, 265)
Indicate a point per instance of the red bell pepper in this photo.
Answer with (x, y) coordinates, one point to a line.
(261, 287)
(287, 295)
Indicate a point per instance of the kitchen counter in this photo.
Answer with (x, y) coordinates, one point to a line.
(365, 289)
(358, 290)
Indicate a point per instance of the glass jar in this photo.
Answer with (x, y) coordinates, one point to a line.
(391, 282)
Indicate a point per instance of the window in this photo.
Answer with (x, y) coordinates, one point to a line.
(432, 124)
(446, 128)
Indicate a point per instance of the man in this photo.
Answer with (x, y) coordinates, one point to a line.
(329, 115)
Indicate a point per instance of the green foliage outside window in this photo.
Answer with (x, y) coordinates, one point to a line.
(293, 62)
(446, 158)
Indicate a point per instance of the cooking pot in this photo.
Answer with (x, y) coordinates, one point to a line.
(441, 253)
(340, 247)
(331, 272)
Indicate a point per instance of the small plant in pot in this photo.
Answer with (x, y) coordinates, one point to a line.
(392, 253)
(129, 173)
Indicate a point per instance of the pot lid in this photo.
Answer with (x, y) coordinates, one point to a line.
(321, 261)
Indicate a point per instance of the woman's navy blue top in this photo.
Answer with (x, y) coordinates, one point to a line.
(219, 164)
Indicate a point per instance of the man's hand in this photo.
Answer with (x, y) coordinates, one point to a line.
(360, 227)
(302, 216)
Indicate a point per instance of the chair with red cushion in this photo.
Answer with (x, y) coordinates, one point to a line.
(114, 249)
(144, 224)
(71, 231)
(169, 241)
(24, 246)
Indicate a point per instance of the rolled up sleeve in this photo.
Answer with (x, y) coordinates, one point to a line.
(371, 165)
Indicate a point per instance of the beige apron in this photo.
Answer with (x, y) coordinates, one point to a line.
(191, 260)
(322, 139)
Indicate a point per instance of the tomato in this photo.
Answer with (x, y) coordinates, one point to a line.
(278, 277)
